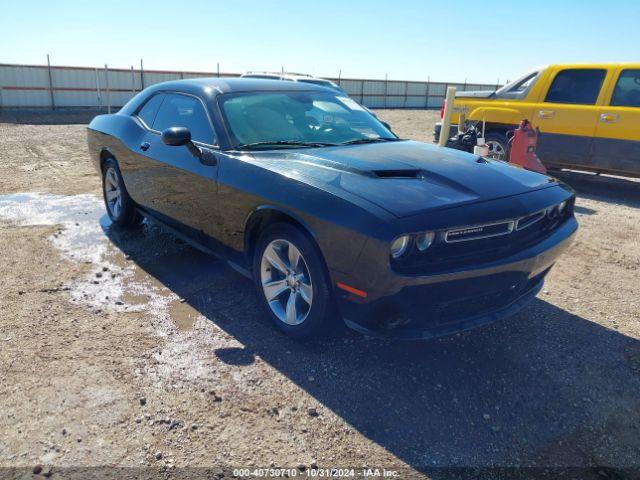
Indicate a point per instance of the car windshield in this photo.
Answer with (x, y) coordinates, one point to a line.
(287, 119)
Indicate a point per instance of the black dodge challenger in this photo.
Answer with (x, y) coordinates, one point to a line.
(332, 215)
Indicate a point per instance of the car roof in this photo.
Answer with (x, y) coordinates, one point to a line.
(287, 76)
(595, 65)
(261, 74)
(213, 86)
(210, 87)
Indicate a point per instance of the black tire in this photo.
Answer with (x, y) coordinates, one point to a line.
(501, 139)
(320, 315)
(125, 215)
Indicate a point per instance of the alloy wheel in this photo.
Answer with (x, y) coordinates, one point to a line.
(286, 282)
(496, 150)
(113, 192)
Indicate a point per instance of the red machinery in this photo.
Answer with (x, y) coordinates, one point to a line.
(523, 148)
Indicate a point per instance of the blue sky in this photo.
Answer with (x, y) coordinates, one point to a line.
(406, 39)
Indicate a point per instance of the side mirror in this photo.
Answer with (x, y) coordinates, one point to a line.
(176, 136)
(386, 125)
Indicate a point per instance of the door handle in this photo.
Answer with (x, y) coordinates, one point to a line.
(144, 146)
(608, 117)
(546, 114)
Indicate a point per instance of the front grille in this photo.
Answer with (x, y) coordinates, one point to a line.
(471, 248)
(477, 232)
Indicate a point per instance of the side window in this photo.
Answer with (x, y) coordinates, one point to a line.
(577, 86)
(627, 91)
(148, 111)
(184, 111)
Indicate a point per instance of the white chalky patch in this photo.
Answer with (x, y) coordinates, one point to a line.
(82, 238)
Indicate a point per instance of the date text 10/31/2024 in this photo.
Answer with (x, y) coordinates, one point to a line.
(315, 473)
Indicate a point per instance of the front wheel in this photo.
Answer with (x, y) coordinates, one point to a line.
(498, 146)
(291, 281)
(120, 206)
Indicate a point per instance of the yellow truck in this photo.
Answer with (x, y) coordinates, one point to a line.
(588, 115)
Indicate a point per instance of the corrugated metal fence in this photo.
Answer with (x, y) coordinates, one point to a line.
(43, 86)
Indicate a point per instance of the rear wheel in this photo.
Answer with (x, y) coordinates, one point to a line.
(120, 207)
(291, 281)
(498, 145)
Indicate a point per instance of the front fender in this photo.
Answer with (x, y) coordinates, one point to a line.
(502, 115)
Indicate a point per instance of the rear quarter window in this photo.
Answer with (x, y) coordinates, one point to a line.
(576, 86)
(149, 110)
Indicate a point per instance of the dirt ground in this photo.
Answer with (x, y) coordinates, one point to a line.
(130, 349)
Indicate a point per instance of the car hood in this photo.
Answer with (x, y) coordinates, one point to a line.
(405, 177)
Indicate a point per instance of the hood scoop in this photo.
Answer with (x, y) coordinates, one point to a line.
(404, 173)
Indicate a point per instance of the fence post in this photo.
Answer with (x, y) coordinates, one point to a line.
(426, 94)
(141, 76)
(218, 69)
(53, 103)
(0, 97)
(406, 88)
(133, 82)
(362, 92)
(386, 90)
(106, 86)
(98, 89)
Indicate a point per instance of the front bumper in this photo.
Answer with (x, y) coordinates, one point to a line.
(427, 306)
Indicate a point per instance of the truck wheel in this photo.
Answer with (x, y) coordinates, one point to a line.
(498, 146)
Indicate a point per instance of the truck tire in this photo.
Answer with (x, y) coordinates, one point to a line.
(498, 145)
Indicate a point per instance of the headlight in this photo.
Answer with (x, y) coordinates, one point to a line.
(561, 207)
(424, 240)
(399, 246)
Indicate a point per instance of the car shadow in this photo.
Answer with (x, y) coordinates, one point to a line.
(546, 387)
(606, 188)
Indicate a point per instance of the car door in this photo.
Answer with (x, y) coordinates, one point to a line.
(567, 116)
(179, 187)
(137, 167)
(616, 146)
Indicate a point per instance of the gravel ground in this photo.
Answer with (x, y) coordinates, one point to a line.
(131, 349)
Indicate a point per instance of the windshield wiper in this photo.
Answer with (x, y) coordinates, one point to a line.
(277, 143)
(368, 140)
